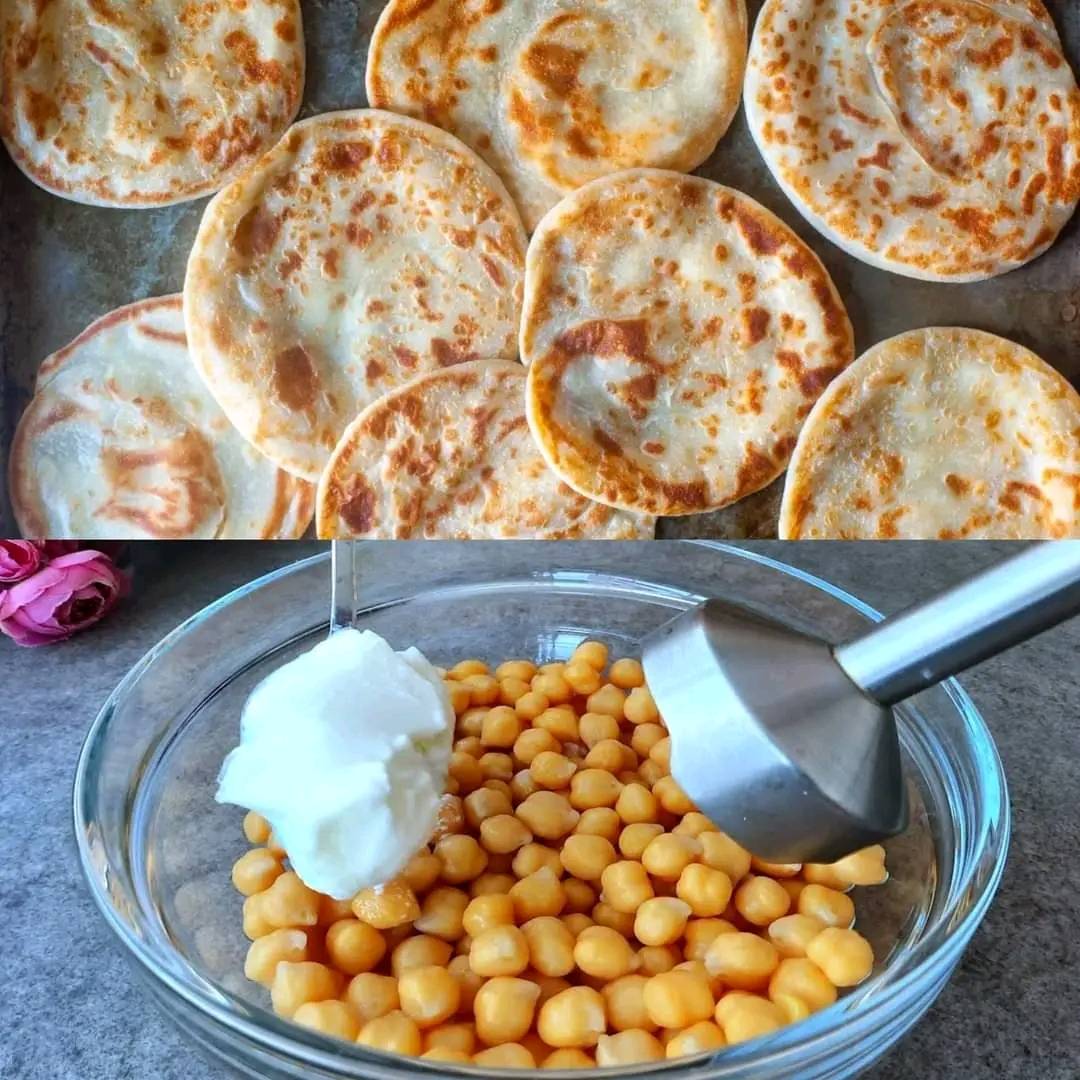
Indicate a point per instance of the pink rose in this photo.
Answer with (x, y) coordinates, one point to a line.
(71, 593)
(18, 560)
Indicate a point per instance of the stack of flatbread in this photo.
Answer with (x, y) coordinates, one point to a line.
(364, 309)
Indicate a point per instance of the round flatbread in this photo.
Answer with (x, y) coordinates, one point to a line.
(123, 441)
(677, 335)
(449, 456)
(365, 249)
(941, 433)
(939, 139)
(554, 93)
(124, 104)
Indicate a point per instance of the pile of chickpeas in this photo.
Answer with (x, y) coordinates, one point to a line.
(572, 907)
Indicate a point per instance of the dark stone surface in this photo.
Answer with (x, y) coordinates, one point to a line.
(72, 1011)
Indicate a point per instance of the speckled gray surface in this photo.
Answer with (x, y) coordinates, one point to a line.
(62, 265)
(72, 1011)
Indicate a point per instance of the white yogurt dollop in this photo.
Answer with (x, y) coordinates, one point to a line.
(345, 751)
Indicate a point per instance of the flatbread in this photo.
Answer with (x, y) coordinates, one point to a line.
(941, 433)
(678, 334)
(449, 456)
(123, 441)
(365, 249)
(125, 104)
(938, 139)
(554, 93)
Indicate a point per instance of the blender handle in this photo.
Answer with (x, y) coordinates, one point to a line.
(979, 618)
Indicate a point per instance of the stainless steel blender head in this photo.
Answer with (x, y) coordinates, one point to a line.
(789, 743)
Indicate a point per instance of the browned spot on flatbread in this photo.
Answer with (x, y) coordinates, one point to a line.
(606, 337)
(755, 470)
(356, 506)
(553, 65)
(256, 232)
(755, 325)
(294, 380)
(344, 157)
(759, 236)
(447, 353)
(957, 484)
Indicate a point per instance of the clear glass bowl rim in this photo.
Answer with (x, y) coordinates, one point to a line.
(926, 962)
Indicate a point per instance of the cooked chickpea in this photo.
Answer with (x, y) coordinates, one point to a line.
(720, 852)
(793, 887)
(694, 824)
(468, 980)
(599, 821)
(554, 687)
(256, 828)
(678, 998)
(593, 787)
(441, 914)
(522, 785)
(529, 706)
(511, 690)
(635, 838)
(660, 752)
(645, 737)
(333, 1018)
(597, 727)
(567, 1059)
(465, 769)
(287, 902)
(464, 668)
(829, 906)
(429, 995)
(604, 952)
(552, 667)
(640, 708)
(504, 1009)
(864, 867)
(655, 959)
(672, 797)
(484, 803)
(459, 696)
(572, 1018)
(606, 754)
(515, 669)
(706, 890)
(627, 674)
(503, 834)
(487, 884)
(593, 653)
(744, 1016)
(462, 858)
(636, 804)
(295, 983)
(266, 952)
(459, 1036)
(255, 871)
(446, 1054)
(603, 914)
(626, 885)
(583, 677)
(743, 961)
(549, 985)
(274, 845)
(609, 700)
(701, 933)
(354, 947)
(497, 766)
(331, 910)
(624, 999)
(371, 996)
(775, 870)
(469, 744)
(576, 921)
(483, 689)
(793, 933)
(505, 1056)
(548, 814)
(696, 1039)
(561, 722)
(649, 773)
(552, 770)
(502, 950)
(533, 857)
(540, 893)
(661, 920)
(802, 978)
(760, 900)
(628, 1048)
(551, 945)
(586, 857)
(501, 727)
(419, 950)
(484, 912)
(395, 1032)
(668, 854)
(844, 955)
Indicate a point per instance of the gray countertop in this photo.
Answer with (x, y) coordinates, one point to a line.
(73, 1010)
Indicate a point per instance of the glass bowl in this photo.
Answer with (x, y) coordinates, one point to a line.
(157, 850)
